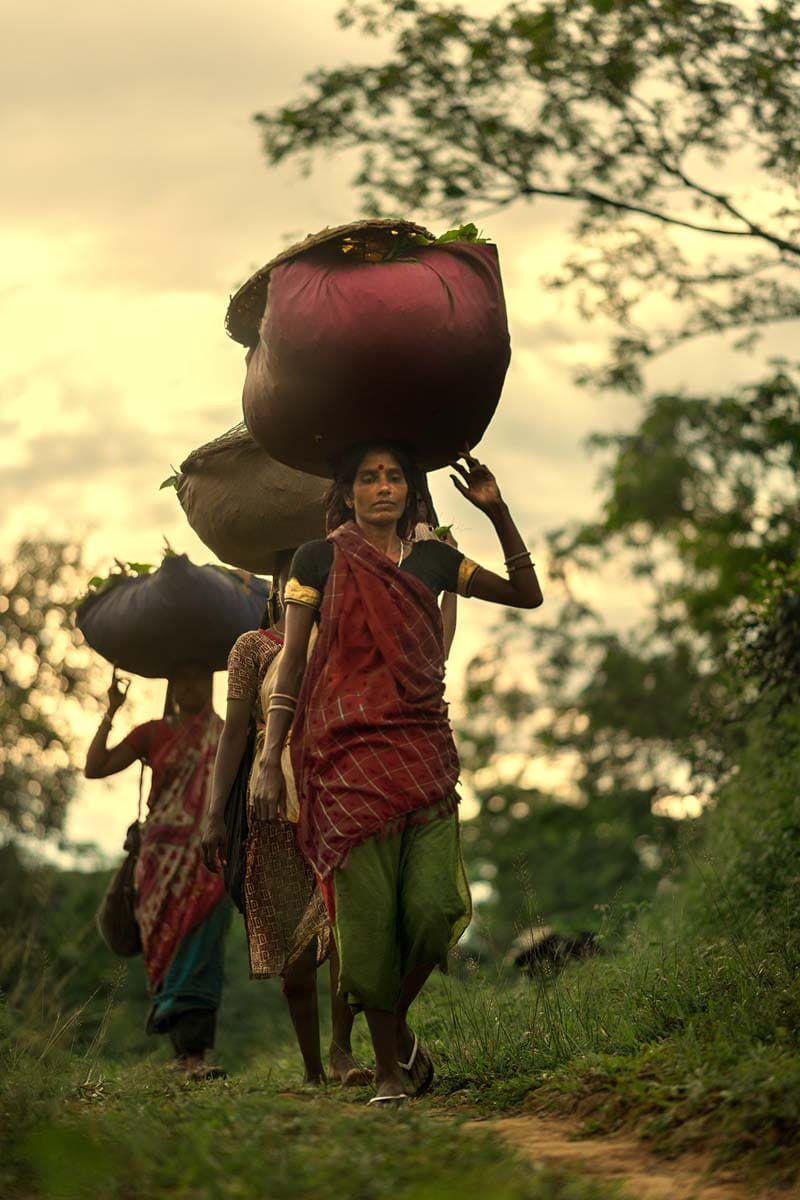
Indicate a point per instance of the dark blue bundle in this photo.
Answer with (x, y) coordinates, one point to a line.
(179, 614)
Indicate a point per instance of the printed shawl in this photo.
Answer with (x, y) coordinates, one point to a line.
(371, 741)
(174, 892)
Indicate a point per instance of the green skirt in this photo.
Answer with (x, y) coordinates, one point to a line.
(402, 902)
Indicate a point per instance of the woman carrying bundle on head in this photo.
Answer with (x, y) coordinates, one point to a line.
(372, 749)
(288, 931)
(180, 909)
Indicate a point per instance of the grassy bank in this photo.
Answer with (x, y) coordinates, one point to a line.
(689, 1034)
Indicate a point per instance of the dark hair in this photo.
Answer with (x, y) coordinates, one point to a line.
(419, 506)
(274, 607)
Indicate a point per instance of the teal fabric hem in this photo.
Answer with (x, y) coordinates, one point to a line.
(196, 975)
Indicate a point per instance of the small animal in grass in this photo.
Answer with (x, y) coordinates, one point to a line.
(542, 950)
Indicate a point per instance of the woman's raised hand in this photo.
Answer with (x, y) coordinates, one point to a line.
(117, 692)
(477, 483)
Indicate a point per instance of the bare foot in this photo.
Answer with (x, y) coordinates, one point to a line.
(390, 1093)
(196, 1069)
(344, 1069)
(391, 1088)
(315, 1079)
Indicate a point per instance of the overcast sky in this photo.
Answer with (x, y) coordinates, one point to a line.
(134, 201)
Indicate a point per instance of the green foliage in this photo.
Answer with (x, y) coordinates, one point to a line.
(767, 637)
(99, 584)
(698, 498)
(121, 571)
(468, 232)
(690, 1032)
(551, 863)
(56, 972)
(42, 670)
(629, 113)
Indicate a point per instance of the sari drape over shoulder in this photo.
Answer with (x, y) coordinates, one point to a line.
(371, 741)
(174, 891)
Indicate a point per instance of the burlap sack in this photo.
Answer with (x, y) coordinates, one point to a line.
(247, 507)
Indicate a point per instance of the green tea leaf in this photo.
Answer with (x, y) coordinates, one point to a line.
(464, 233)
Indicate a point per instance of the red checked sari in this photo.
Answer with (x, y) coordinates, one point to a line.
(174, 891)
(371, 742)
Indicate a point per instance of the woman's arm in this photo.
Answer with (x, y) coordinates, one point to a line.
(100, 760)
(521, 589)
(269, 795)
(230, 749)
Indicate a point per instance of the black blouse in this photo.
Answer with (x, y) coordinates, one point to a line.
(440, 567)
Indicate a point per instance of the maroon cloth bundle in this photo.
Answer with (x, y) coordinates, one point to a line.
(411, 349)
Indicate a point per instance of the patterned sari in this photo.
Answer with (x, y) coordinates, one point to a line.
(371, 742)
(174, 891)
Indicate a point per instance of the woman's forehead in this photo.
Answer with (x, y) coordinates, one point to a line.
(379, 460)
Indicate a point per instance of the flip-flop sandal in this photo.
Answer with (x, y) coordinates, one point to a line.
(400, 1098)
(419, 1068)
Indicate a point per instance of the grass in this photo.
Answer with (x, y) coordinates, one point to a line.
(78, 1129)
(686, 1033)
(689, 1032)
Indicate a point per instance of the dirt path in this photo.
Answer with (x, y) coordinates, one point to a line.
(555, 1143)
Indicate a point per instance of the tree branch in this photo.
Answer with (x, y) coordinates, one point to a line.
(753, 230)
(584, 194)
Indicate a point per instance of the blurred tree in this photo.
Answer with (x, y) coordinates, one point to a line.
(698, 499)
(42, 668)
(630, 111)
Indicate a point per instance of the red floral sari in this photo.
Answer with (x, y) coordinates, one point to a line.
(371, 741)
(174, 891)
